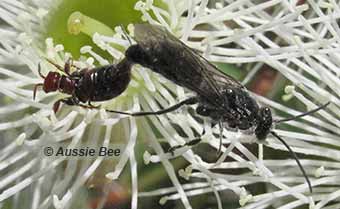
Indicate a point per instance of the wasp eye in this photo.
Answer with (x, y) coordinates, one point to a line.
(266, 112)
(229, 91)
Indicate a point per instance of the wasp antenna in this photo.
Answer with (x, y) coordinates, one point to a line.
(39, 71)
(56, 105)
(303, 114)
(35, 89)
(126, 34)
(119, 112)
(55, 64)
(90, 106)
(296, 159)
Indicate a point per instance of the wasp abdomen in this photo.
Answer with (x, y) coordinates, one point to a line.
(109, 82)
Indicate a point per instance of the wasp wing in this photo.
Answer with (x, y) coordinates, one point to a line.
(181, 64)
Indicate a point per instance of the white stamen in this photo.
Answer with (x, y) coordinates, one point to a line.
(21, 139)
(163, 200)
(319, 172)
(41, 13)
(146, 157)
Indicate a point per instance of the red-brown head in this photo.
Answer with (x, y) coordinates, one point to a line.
(51, 82)
(54, 81)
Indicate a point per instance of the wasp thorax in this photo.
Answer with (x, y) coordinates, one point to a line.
(264, 123)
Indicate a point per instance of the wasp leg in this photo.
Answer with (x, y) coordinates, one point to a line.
(189, 143)
(55, 65)
(69, 101)
(39, 71)
(93, 106)
(35, 89)
(89, 106)
(68, 65)
(189, 101)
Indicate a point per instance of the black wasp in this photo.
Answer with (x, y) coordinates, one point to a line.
(219, 96)
(86, 85)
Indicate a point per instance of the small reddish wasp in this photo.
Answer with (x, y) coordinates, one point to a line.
(85, 85)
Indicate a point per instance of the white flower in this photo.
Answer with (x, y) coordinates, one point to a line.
(301, 42)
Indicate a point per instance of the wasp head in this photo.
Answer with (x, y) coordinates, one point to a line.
(55, 81)
(264, 123)
(51, 82)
